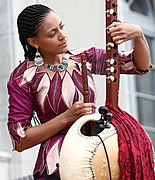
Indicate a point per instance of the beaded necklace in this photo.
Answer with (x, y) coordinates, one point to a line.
(60, 67)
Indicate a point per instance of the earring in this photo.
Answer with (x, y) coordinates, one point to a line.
(38, 59)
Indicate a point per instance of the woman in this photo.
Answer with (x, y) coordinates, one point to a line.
(42, 81)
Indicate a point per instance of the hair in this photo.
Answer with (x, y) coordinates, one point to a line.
(28, 23)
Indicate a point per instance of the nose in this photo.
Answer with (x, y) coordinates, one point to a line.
(62, 34)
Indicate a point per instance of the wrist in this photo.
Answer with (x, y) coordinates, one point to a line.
(65, 120)
(140, 35)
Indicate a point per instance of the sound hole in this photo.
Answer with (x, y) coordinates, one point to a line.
(93, 128)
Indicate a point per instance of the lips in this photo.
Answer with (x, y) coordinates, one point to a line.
(63, 44)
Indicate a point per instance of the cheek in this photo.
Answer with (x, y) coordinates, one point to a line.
(49, 47)
(46, 44)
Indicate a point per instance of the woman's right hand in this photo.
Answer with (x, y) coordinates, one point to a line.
(77, 110)
(38, 134)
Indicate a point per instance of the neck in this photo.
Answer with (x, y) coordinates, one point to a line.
(54, 60)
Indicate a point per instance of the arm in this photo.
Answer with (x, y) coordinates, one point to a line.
(97, 58)
(122, 32)
(38, 134)
(141, 53)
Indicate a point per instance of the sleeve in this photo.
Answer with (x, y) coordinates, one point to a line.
(97, 59)
(127, 66)
(20, 110)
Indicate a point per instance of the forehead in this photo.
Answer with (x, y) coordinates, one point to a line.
(51, 21)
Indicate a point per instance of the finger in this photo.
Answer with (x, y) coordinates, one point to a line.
(79, 104)
(117, 38)
(90, 105)
(114, 24)
(115, 30)
(120, 41)
(82, 108)
(87, 110)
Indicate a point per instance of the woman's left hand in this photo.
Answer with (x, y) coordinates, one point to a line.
(122, 32)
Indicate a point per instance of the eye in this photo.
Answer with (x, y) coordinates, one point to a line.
(52, 34)
(62, 26)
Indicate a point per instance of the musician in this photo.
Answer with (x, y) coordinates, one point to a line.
(49, 82)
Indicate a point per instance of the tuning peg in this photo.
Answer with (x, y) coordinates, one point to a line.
(111, 69)
(110, 12)
(110, 61)
(111, 78)
(110, 45)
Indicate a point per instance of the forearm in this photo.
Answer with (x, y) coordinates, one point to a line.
(38, 134)
(141, 53)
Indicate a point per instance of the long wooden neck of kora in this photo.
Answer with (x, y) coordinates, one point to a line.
(84, 77)
(112, 59)
(85, 88)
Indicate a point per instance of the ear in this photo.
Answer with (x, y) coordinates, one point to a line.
(33, 42)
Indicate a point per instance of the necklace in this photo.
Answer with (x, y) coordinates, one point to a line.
(60, 67)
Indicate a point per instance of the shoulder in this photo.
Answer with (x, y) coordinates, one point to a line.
(92, 53)
(22, 71)
(18, 70)
(89, 51)
(76, 52)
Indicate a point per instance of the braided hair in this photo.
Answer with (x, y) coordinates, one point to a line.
(28, 23)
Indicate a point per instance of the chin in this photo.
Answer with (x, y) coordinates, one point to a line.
(64, 50)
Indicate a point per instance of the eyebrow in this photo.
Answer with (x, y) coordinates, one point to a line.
(56, 28)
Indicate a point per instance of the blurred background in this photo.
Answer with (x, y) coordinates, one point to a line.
(85, 24)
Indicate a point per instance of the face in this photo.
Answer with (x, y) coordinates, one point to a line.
(51, 38)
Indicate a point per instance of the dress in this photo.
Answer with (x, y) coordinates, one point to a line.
(30, 90)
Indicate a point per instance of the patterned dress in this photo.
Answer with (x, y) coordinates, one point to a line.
(32, 90)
